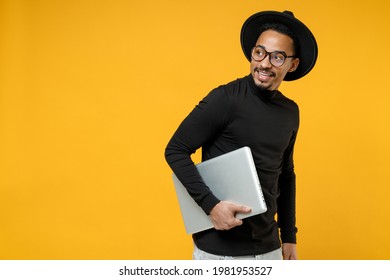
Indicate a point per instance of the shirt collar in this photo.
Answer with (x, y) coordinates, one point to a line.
(264, 94)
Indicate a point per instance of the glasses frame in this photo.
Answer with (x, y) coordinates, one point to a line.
(269, 55)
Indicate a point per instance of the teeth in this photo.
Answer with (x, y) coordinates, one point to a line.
(269, 74)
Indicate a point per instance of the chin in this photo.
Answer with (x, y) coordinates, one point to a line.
(263, 86)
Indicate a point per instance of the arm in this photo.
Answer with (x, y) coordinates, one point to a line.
(201, 126)
(198, 128)
(286, 204)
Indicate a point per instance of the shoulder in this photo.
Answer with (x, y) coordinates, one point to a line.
(230, 89)
(235, 84)
(224, 98)
(286, 101)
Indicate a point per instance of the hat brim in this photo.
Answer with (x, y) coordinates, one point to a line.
(308, 46)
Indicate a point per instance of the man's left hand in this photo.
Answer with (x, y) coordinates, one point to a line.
(289, 251)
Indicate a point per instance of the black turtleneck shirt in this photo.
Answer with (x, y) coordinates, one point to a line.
(232, 116)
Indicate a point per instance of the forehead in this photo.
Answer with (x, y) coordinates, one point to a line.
(275, 41)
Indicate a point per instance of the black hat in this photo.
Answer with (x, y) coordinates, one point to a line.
(308, 49)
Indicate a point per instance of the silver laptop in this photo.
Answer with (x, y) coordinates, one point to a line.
(230, 177)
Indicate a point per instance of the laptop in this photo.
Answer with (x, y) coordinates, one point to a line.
(232, 177)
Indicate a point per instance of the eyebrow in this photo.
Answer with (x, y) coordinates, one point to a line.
(273, 51)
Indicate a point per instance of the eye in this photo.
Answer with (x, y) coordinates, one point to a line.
(278, 57)
(259, 51)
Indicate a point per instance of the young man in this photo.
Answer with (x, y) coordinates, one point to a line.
(250, 112)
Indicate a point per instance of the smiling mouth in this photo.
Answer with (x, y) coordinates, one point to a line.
(264, 73)
(263, 76)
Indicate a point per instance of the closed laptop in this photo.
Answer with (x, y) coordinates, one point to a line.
(231, 177)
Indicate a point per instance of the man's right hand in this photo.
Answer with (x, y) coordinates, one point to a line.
(223, 215)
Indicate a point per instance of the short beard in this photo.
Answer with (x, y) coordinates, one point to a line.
(262, 87)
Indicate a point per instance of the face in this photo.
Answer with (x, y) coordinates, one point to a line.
(265, 75)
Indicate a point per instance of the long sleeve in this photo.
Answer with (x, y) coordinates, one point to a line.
(286, 200)
(206, 120)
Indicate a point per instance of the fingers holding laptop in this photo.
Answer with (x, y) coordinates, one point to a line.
(223, 215)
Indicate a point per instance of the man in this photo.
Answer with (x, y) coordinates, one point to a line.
(250, 112)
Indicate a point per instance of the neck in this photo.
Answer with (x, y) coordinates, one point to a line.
(261, 92)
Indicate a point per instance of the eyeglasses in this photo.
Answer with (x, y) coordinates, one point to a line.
(277, 58)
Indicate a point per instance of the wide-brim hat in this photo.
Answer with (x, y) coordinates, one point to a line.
(308, 49)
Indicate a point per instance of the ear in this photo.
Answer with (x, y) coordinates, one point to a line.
(294, 65)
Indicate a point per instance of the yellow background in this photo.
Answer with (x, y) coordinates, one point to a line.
(91, 92)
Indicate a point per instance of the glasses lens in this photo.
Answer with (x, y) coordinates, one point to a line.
(258, 53)
(277, 59)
